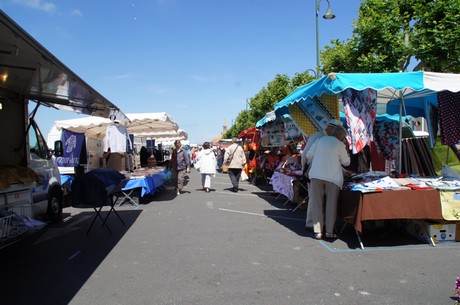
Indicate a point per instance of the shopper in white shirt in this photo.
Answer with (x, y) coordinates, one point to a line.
(306, 166)
(327, 156)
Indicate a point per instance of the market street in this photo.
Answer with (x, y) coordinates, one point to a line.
(219, 248)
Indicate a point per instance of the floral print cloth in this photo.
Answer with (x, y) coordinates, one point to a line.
(360, 110)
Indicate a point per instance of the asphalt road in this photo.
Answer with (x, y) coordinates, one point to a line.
(219, 248)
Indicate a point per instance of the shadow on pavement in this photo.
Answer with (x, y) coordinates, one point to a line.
(54, 263)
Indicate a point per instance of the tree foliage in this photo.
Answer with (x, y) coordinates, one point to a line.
(265, 100)
(391, 33)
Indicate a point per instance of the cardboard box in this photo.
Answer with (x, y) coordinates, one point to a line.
(439, 232)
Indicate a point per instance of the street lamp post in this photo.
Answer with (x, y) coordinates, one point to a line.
(313, 71)
(328, 16)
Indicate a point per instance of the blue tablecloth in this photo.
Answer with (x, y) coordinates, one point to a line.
(148, 184)
(66, 180)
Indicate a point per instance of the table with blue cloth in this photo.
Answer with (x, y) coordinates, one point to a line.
(148, 180)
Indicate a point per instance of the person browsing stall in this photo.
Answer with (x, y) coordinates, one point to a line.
(236, 159)
(331, 125)
(327, 156)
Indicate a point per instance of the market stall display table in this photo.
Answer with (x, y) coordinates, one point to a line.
(356, 207)
(284, 185)
(148, 180)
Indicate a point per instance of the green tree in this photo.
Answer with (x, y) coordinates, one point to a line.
(437, 35)
(243, 121)
(265, 100)
(389, 33)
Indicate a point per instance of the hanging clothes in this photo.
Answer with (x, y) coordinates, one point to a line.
(360, 109)
(117, 139)
(449, 120)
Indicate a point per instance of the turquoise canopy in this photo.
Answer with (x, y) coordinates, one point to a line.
(389, 86)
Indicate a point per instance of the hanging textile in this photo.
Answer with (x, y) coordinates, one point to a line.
(416, 159)
(449, 119)
(386, 138)
(311, 115)
(360, 109)
(73, 145)
(291, 131)
(272, 134)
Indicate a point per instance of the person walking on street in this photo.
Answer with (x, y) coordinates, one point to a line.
(206, 163)
(179, 165)
(236, 159)
(327, 156)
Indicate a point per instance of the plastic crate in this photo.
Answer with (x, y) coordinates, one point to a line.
(5, 225)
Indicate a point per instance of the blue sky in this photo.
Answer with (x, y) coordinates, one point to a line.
(197, 60)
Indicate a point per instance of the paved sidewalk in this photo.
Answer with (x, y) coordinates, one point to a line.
(218, 248)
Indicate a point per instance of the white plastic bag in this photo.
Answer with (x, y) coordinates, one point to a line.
(197, 165)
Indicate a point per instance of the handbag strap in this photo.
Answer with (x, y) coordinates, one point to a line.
(231, 157)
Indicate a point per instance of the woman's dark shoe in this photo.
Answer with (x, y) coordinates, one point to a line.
(235, 189)
(206, 189)
(330, 236)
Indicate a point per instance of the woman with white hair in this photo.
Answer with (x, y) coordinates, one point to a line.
(327, 156)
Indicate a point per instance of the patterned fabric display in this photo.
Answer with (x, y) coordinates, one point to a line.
(320, 111)
(449, 119)
(360, 110)
(386, 138)
(272, 134)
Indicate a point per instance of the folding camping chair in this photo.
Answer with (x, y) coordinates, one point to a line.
(97, 189)
(300, 190)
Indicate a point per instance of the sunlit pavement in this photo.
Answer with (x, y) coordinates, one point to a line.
(218, 248)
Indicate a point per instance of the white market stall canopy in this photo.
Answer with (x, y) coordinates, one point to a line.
(170, 135)
(145, 123)
(140, 123)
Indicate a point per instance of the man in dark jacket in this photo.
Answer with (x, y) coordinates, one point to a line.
(180, 165)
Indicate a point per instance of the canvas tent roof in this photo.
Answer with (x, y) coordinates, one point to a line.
(170, 135)
(144, 123)
(388, 85)
(141, 124)
(36, 74)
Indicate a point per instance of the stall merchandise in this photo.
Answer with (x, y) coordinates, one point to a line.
(382, 88)
(388, 86)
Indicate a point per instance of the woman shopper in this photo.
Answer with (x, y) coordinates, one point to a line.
(327, 156)
(206, 163)
(236, 159)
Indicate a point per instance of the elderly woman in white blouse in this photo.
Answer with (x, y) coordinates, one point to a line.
(327, 156)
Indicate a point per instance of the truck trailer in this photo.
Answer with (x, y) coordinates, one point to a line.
(30, 78)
